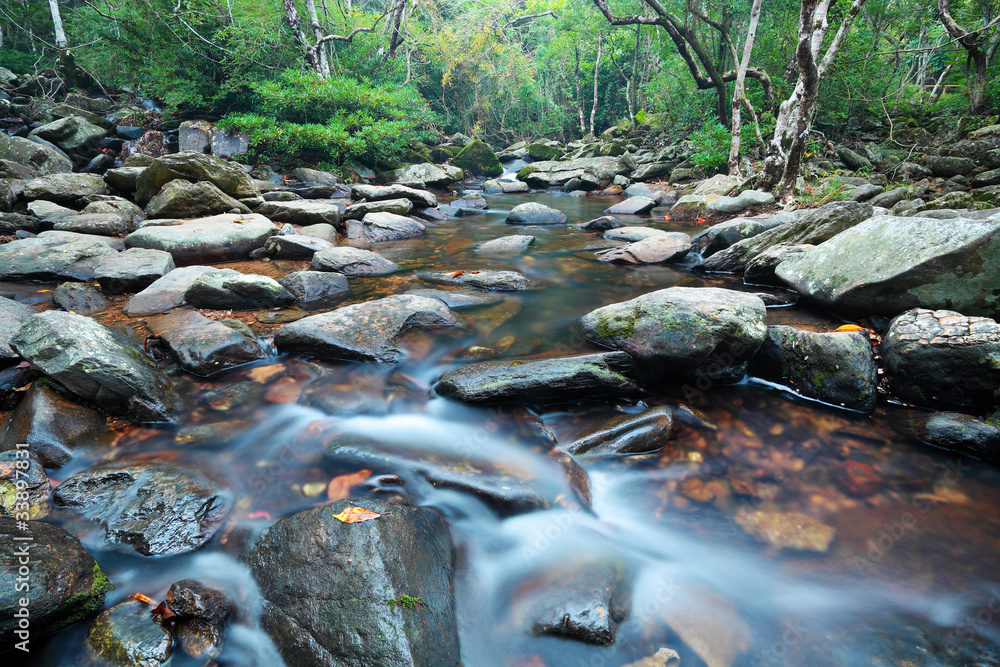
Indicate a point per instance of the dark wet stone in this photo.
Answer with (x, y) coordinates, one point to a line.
(157, 508)
(406, 551)
(760, 269)
(200, 613)
(316, 288)
(133, 270)
(380, 227)
(533, 213)
(657, 249)
(97, 365)
(227, 289)
(642, 433)
(606, 376)
(204, 346)
(837, 367)
(942, 358)
(11, 223)
(24, 486)
(458, 299)
(604, 223)
(699, 331)
(80, 298)
(963, 433)
(53, 426)
(99, 224)
(128, 636)
(219, 238)
(352, 262)
(507, 243)
(364, 331)
(66, 584)
(583, 599)
(297, 246)
(12, 315)
(51, 258)
(488, 280)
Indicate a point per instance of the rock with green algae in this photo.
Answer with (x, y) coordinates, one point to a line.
(35, 490)
(479, 159)
(66, 584)
(127, 635)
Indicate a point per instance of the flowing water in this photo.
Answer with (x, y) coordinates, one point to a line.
(910, 577)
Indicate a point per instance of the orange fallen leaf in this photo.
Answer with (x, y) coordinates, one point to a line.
(142, 598)
(340, 486)
(356, 515)
(666, 217)
(457, 274)
(702, 220)
(850, 327)
(259, 514)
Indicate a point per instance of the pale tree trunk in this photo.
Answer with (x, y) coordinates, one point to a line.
(57, 24)
(739, 92)
(579, 94)
(937, 85)
(597, 70)
(321, 60)
(973, 42)
(315, 52)
(795, 115)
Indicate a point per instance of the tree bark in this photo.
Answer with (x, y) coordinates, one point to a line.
(738, 89)
(57, 24)
(579, 94)
(597, 70)
(973, 42)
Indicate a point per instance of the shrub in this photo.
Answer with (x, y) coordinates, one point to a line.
(711, 145)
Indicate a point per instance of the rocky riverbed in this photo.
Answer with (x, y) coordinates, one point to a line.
(585, 425)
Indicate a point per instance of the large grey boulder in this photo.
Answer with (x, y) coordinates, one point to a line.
(590, 377)
(316, 288)
(295, 246)
(132, 270)
(71, 133)
(836, 367)
(420, 198)
(95, 364)
(218, 238)
(760, 270)
(352, 262)
(227, 289)
(533, 213)
(382, 226)
(942, 358)
(194, 167)
(43, 158)
(740, 202)
(949, 166)
(596, 173)
(820, 225)
(505, 244)
(705, 331)
(183, 199)
(505, 281)
(123, 179)
(167, 292)
(51, 258)
(433, 175)
(889, 264)
(721, 236)
(632, 234)
(363, 331)
(302, 212)
(392, 582)
(64, 188)
(359, 210)
(12, 316)
(657, 249)
(205, 346)
(98, 224)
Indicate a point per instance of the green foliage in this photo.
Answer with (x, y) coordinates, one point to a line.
(300, 115)
(406, 602)
(711, 145)
(21, 63)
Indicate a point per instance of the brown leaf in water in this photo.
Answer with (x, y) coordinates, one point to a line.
(164, 610)
(340, 486)
(141, 597)
(356, 515)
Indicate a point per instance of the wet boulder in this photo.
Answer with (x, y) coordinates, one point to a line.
(167, 292)
(200, 613)
(814, 227)
(741, 202)
(721, 236)
(127, 635)
(316, 288)
(632, 234)
(657, 249)
(632, 206)
(157, 508)
(359, 210)
(420, 198)
(24, 486)
(380, 227)
(13, 223)
(836, 367)
(533, 213)
(218, 238)
(889, 264)
(352, 262)
(204, 346)
(64, 188)
(183, 199)
(504, 281)
(394, 577)
(43, 158)
(363, 331)
(12, 316)
(513, 243)
(642, 433)
(132, 270)
(302, 212)
(72, 133)
(227, 289)
(66, 584)
(193, 167)
(52, 425)
(95, 364)
(705, 331)
(473, 200)
(943, 358)
(80, 298)
(295, 246)
(479, 159)
(760, 270)
(100, 224)
(961, 433)
(601, 224)
(605, 376)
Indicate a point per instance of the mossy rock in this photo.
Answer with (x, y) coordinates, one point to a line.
(478, 158)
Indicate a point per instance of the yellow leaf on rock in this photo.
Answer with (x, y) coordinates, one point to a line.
(356, 515)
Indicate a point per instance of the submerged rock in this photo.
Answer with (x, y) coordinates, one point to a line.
(128, 636)
(605, 376)
(657, 249)
(943, 358)
(391, 584)
(642, 433)
(512, 243)
(457, 299)
(157, 508)
(204, 346)
(701, 331)
(96, 365)
(363, 331)
(488, 280)
(837, 368)
(787, 530)
(601, 224)
(66, 584)
(352, 262)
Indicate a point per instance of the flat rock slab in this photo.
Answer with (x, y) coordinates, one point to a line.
(51, 258)
(506, 281)
(632, 234)
(227, 289)
(533, 213)
(204, 346)
(740, 202)
(632, 206)
(100, 224)
(364, 331)
(218, 238)
(167, 292)
(131, 504)
(420, 198)
(89, 360)
(133, 270)
(302, 212)
(82, 298)
(66, 237)
(295, 246)
(606, 376)
(459, 298)
(380, 227)
(359, 210)
(352, 262)
(12, 315)
(64, 188)
(512, 243)
(657, 249)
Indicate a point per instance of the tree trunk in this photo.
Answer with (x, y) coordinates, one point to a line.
(579, 97)
(597, 70)
(322, 63)
(973, 42)
(977, 87)
(57, 24)
(738, 89)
